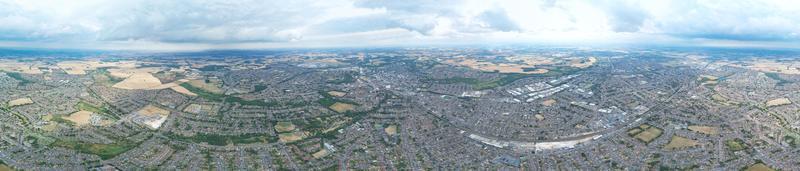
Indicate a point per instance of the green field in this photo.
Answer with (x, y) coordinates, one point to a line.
(19, 77)
(105, 151)
(221, 140)
(94, 109)
(778, 78)
(735, 144)
(233, 99)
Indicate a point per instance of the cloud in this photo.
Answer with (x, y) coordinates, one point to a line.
(217, 23)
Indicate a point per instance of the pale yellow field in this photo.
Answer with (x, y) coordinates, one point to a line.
(391, 130)
(139, 81)
(320, 154)
(342, 107)
(80, 118)
(182, 90)
(492, 67)
(778, 102)
(20, 102)
(704, 129)
(583, 64)
(291, 136)
(549, 102)
(151, 110)
(539, 117)
(25, 68)
(337, 93)
(764, 65)
(759, 167)
(678, 142)
(80, 67)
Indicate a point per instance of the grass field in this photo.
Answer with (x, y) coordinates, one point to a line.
(17, 76)
(221, 140)
(735, 145)
(105, 151)
(678, 142)
(645, 133)
(759, 167)
(284, 127)
(233, 99)
(97, 110)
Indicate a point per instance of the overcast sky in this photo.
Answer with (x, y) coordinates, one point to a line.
(200, 24)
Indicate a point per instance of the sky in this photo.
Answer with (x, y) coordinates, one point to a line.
(263, 24)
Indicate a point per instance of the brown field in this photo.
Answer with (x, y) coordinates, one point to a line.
(759, 167)
(704, 129)
(320, 153)
(391, 130)
(80, 118)
(337, 93)
(205, 86)
(678, 142)
(342, 107)
(20, 102)
(291, 136)
(284, 127)
(778, 102)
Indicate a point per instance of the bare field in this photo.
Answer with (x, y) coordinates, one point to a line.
(182, 90)
(139, 81)
(342, 107)
(704, 129)
(778, 102)
(80, 118)
(291, 136)
(20, 102)
(549, 102)
(337, 93)
(391, 130)
(320, 153)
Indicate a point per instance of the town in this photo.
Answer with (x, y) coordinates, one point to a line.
(505, 108)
